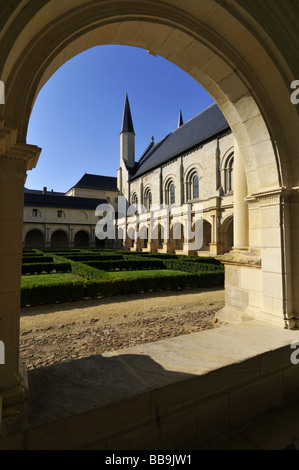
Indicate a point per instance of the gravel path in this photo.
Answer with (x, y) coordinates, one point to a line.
(64, 332)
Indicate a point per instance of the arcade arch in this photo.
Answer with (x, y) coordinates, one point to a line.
(233, 59)
(34, 239)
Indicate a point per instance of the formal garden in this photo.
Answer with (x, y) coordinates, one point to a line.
(58, 276)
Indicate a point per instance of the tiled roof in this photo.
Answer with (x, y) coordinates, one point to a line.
(106, 183)
(52, 200)
(199, 130)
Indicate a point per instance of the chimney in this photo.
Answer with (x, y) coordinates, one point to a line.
(45, 190)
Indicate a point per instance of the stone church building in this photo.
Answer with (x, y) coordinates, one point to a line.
(193, 165)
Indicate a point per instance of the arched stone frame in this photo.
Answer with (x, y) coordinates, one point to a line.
(169, 190)
(158, 232)
(207, 233)
(232, 58)
(227, 232)
(84, 215)
(226, 169)
(191, 171)
(38, 213)
(61, 244)
(176, 240)
(134, 198)
(30, 230)
(131, 236)
(147, 197)
(60, 214)
(75, 235)
(143, 236)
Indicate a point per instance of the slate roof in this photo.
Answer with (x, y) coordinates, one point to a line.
(69, 202)
(37, 191)
(127, 123)
(197, 131)
(89, 181)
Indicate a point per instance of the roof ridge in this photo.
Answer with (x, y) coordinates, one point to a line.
(149, 147)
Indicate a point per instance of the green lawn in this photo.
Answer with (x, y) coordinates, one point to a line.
(144, 274)
(49, 279)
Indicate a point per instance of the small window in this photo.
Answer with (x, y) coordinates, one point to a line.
(60, 214)
(134, 199)
(172, 194)
(34, 212)
(116, 200)
(148, 199)
(195, 187)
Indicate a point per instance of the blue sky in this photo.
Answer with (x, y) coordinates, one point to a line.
(77, 116)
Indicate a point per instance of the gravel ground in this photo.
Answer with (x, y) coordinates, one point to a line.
(64, 332)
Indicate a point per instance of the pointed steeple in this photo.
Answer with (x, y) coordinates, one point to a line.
(180, 122)
(127, 124)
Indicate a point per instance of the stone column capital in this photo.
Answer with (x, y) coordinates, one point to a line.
(20, 157)
(14, 156)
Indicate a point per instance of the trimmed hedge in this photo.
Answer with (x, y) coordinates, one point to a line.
(188, 272)
(191, 267)
(129, 264)
(90, 257)
(43, 295)
(37, 259)
(88, 272)
(32, 268)
(79, 290)
(32, 255)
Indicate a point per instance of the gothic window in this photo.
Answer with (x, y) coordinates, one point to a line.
(192, 186)
(229, 175)
(171, 194)
(147, 199)
(134, 199)
(195, 187)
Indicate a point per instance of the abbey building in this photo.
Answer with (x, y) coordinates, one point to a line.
(191, 166)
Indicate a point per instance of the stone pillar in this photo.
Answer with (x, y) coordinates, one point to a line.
(92, 239)
(14, 161)
(243, 275)
(215, 246)
(188, 246)
(241, 218)
(71, 242)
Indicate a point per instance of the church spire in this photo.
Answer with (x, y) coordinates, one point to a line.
(127, 124)
(180, 122)
(127, 138)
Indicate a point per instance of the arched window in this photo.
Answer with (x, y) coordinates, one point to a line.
(147, 199)
(192, 186)
(36, 213)
(227, 170)
(169, 192)
(134, 199)
(229, 176)
(195, 187)
(60, 214)
(172, 194)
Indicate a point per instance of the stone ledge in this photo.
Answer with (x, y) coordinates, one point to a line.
(241, 258)
(163, 394)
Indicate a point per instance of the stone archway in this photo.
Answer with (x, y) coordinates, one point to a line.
(59, 239)
(34, 239)
(231, 48)
(227, 234)
(81, 239)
